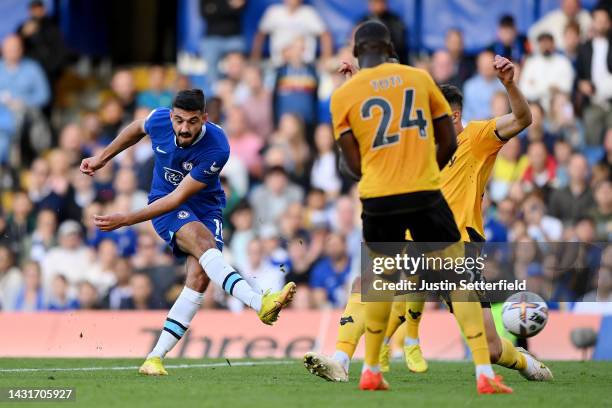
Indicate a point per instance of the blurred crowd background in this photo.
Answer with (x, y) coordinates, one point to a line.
(290, 214)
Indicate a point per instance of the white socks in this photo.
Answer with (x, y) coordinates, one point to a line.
(177, 322)
(231, 281)
(485, 369)
(343, 359)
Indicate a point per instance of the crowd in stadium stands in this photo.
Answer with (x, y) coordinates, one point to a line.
(290, 214)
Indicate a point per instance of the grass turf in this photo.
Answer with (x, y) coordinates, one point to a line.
(446, 384)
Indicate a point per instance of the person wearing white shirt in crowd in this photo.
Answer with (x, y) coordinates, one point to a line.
(324, 173)
(71, 258)
(286, 22)
(540, 227)
(555, 21)
(546, 71)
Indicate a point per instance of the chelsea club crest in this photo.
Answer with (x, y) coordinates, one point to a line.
(187, 166)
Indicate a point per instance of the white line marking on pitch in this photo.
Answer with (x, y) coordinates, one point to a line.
(202, 365)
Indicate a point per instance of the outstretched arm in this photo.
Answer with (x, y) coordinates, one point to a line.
(519, 118)
(126, 138)
(188, 187)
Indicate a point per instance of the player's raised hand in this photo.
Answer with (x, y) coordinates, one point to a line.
(347, 69)
(110, 222)
(505, 69)
(90, 165)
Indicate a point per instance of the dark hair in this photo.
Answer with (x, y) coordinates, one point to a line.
(373, 36)
(545, 36)
(507, 20)
(190, 100)
(452, 94)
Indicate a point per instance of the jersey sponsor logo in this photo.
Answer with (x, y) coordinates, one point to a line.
(213, 169)
(187, 166)
(159, 150)
(173, 176)
(182, 214)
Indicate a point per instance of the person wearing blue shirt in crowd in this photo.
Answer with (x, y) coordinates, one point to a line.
(185, 204)
(509, 43)
(479, 89)
(330, 276)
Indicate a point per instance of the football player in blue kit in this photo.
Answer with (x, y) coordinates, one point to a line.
(185, 204)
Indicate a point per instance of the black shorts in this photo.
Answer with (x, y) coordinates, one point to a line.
(425, 214)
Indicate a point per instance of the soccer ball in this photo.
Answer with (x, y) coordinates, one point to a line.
(525, 314)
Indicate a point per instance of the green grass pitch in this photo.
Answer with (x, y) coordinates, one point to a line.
(213, 383)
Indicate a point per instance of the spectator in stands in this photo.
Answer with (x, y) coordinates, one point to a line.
(25, 90)
(122, 290)
(124, 89)
(60, 298)
(562, 121)
(21, 220)
(43, 41)
(509, 43)
(479, 89)
(576, 200)
(324, 172)
(10, 278)
(506, 216)
(508, 168)
(291, 138)
(541, 170)
(344, 222)
(88, 297)
(39, 189)
(571, 38)
(299, 269)
(126, 184)
(42, 239)
(545, 71)
(270, 199)
(71, 258)
(111, 120)
(537, 132)
(594, 68)
(70, 142)
(243, 232)
(258, 267)
(101, 274)
(244, 143)
(223, 32)
(499, 104)
(540, 226)
(555, 22)
(562, 154)
(286, 22)
(463, 63)
(295, 88)
(30, 297)
(148, 253)
(379, 10)
(257, 106)
(330, 276)
(157, 94)
(142, 295)
(443, 69)
(602, 213)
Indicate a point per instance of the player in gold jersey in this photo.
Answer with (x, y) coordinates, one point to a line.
(463, 183)
(388, 120)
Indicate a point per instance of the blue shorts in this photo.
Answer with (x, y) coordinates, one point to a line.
(168, 224)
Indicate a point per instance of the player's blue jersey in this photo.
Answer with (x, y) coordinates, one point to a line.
(203, 160)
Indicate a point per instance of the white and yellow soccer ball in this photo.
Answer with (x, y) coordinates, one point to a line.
(525, 314)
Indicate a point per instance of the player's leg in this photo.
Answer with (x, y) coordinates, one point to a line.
(378, 229)
(196, 239)
(396, 318)
(437, 224)
(350, 330)
(505, 354)
(179, 317)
